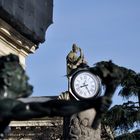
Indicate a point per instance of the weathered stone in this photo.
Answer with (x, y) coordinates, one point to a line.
(36, 129)
(30, 18)
(13, 42)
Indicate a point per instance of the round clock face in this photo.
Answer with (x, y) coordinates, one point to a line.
(85, 85)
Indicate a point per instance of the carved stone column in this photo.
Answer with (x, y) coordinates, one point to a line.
(79, 126)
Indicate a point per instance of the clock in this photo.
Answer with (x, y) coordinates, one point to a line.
(84, 85)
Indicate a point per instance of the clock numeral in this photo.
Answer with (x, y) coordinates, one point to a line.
(93, 86)
(85, 94)
(81, 78)
(81, 92)
(77, 88)
(89, 79)
(85, 77)
(92, 90)
(92, 81)
(78, 81)
(77, 85)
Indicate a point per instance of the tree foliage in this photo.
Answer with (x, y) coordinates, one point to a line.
(135, 135)
(120, 118)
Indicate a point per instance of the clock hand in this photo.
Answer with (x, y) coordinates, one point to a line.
(87, 89)
(84, 82)
(84, 86)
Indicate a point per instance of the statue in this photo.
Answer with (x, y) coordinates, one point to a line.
(75, 130)
(14, 85)
(86, 129)
(90, 119)
(74, 60)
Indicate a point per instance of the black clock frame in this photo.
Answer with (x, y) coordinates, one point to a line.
(71, 84)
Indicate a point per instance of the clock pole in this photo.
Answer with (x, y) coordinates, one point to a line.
(78, 126)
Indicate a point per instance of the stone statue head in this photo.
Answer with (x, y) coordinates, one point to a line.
(13, 79)
(85, 122)
(75, 121)
(75, 48)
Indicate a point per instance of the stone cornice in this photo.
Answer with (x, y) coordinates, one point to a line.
(56, 121)
(14, 39)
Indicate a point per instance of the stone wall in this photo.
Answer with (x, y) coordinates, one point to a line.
(36, 129)
(13, 42)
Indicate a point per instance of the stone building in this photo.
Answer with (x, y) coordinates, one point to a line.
(36, 128)
(23, 24)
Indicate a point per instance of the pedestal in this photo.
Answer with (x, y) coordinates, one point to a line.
(79, 126)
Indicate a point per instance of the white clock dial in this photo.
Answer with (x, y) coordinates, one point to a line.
(85, 84)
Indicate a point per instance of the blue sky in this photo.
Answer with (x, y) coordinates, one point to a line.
(104, 29)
